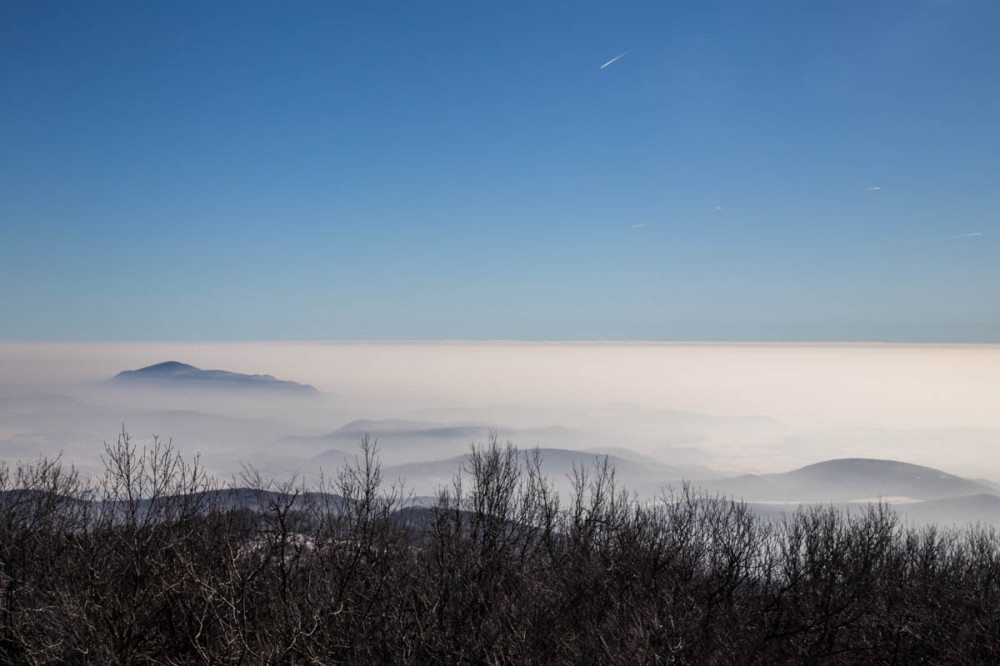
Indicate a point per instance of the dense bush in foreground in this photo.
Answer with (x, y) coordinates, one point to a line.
(153, 564)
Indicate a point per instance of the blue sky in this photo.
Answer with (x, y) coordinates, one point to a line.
(466, 170)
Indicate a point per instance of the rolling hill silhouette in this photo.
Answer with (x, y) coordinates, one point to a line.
(847, 479)
(172, 374)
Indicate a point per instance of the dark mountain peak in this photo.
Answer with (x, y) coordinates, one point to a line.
(167, 367)
(174, 374)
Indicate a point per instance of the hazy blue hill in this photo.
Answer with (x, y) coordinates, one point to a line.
(334, 459)
(645, 477)
(405, 441)
(850, 479)
(389, 426)
(393, 433)
(435, 430)
(172, 374)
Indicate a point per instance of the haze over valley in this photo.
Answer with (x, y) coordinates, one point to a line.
(715, 415)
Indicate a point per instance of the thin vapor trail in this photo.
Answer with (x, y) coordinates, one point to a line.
(613, 59)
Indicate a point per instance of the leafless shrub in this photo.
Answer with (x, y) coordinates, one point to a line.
(153, 563)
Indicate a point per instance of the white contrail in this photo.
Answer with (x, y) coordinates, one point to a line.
(638, 226)
(613, 59)
(872, 189)
(945, 238)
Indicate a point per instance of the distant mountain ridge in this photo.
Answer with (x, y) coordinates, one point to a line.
(646, 477)
(396, 433)
(173, 374)
(847, 479)
(432, 429)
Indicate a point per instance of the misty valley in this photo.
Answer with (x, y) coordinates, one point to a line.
(332, 504)
(286, 430)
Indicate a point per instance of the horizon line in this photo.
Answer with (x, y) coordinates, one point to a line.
(513, 341)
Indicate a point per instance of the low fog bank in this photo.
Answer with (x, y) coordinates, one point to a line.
(663, 412)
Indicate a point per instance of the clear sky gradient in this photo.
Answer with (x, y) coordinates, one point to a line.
(467, 170)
